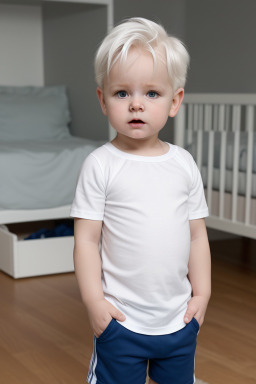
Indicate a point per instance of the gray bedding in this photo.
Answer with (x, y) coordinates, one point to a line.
(229, 181)
(192, 148)
(41, 174)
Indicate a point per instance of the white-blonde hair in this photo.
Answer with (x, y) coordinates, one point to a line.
(146, 34)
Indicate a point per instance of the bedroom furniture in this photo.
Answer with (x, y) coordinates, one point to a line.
(39, 166)
(219, 131)
(20, 258)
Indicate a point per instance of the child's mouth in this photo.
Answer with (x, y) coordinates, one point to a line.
(136, 123)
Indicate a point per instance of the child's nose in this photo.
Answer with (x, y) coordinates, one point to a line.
(136, 106)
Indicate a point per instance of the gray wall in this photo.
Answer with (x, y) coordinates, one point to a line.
(71, 35)
(170, 13)
(221, 38)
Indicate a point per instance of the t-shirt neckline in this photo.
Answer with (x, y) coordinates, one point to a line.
(131, 156)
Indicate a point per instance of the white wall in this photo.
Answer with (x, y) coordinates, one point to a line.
(21, 45)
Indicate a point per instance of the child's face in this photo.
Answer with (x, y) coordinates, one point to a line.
(138, 97)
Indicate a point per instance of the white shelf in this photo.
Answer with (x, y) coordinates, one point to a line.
(36, 2)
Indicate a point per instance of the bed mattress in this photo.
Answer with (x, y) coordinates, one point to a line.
(41, 174)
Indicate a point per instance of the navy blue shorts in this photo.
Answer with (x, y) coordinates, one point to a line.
(121, 356)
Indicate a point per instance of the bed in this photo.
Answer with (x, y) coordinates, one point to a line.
(219, 131)
(43, 183)
(39, 165)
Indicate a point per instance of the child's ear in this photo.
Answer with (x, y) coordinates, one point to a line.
(100, 95)
(176, 102)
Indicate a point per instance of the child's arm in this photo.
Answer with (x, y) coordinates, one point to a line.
(199, 272)
(87, 263)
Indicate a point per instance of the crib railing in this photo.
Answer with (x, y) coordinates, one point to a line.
(205, 125)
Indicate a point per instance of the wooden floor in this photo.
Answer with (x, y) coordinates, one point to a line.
(45, 336)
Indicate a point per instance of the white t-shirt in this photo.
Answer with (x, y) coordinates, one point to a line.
(145, 203)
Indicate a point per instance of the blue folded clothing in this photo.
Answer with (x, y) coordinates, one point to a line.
(62, 229)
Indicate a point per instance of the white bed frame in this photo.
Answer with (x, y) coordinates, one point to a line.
(20, 258)
(22, 216)
(229, 212)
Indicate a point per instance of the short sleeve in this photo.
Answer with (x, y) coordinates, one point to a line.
(89, 201)
(196, 201)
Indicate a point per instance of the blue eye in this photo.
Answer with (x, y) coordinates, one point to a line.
(122, 94)
(152, 94)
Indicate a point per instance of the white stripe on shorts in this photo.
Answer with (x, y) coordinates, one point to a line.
(92, 378)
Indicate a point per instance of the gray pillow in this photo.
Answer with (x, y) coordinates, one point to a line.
(33, 113)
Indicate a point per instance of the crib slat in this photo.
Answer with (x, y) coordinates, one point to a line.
(199, 137)
(249, 122)
(190, 124)
(236, 120)
(222, 158)
(210, 169)
(207, 127)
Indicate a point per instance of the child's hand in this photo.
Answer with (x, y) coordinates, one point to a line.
(100, 313)
(196, 308)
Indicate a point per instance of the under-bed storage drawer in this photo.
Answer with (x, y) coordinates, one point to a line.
(25, 258)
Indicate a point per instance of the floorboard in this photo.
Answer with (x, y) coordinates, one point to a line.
(45, 335)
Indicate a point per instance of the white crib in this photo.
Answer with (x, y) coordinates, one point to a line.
(219, 131)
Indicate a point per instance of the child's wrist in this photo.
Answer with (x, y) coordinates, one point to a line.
(202, 298)
(206, 295)
(91, 302)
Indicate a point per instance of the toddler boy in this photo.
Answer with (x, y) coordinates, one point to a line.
(146, 288)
